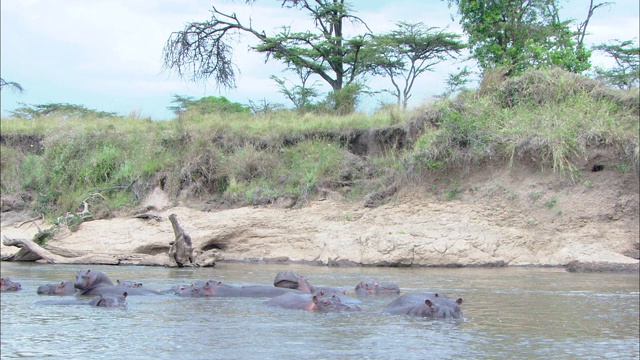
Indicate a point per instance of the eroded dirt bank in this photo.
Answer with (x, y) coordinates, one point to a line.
(490, 217)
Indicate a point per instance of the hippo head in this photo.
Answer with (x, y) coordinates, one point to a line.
(63, 288)
(286, 279)
(331, 303)
(215, 288)
(7, 285)
(445, 308)
(86, 279)
(366, 288)
(194, 291)
(110, 301)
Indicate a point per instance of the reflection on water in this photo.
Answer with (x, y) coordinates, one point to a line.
(510, 313)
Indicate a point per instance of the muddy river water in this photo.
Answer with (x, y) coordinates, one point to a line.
(510, 313)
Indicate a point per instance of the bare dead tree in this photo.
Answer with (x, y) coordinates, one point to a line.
(582, 27)
(181, 250)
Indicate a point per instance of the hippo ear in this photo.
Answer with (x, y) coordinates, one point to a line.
(428, 303)
(437, 295)
(124, 294)
(459, 301)
(219, 283)
(315, 299)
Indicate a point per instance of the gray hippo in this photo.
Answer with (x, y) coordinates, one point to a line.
(177, 289)
(291, 280)
(110, 301)
(303, 301)
(107, 300)
(94, 282)
(220, 289)
(375, 288)
(128, 283)
(62, 288)
(7, 285)
(426, 304)
(188, 290)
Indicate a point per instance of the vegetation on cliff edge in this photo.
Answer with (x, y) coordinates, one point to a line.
(548, 118)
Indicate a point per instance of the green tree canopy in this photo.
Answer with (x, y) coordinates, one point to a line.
(63, 110)
(523, 34)
(206, 105)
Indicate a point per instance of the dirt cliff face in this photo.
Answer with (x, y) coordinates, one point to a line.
(481, 216)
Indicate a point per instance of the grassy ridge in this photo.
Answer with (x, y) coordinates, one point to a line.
(552, 117)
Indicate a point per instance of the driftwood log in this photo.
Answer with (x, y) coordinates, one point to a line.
(181, 250)
(30, 251)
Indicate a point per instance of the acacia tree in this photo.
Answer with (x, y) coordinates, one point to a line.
(204, 49)
(63, 110)
(626, 73)
(300, 95)
(407, 52)
(523, 34)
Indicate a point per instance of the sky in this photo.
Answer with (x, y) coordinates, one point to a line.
(107, 54)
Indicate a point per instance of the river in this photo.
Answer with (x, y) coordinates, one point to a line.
(510, 313)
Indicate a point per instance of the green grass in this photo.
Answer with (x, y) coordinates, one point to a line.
(548, 118)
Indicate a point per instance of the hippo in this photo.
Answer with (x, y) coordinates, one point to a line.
(318, 302)
(110, 301)
(375, 288)
(219, 289)
(94, 282)
(290, 280)
(194, 289)
(286, 279)
(426, 304)
(62, 288)
(177, 289)
(97, 301)
(128, 283)
(7, 285)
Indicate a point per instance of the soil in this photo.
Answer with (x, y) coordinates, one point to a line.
(493, 215)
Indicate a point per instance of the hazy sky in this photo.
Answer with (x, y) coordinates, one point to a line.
(107, 54)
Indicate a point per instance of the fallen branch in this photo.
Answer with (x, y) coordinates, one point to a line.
(52, 258)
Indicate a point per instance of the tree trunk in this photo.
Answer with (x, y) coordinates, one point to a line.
(181, 250)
